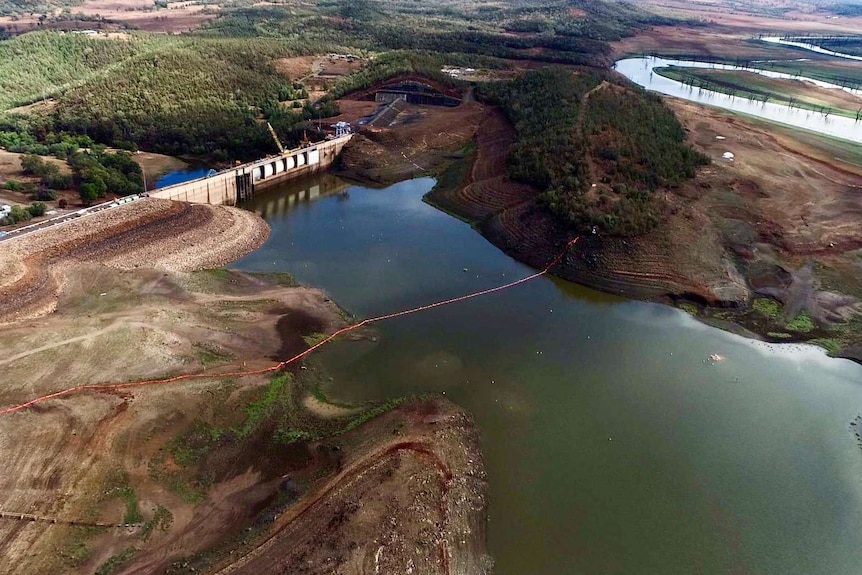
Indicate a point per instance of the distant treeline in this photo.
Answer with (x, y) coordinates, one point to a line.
(573, 32)
(401, 63)
(848, 9)
(19, 8)
(844, 44)
(210, 92)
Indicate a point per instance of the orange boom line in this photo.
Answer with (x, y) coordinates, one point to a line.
(276, 367)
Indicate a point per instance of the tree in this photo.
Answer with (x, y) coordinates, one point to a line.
(89, 193)
(37, 209)
(32, 165)
(18, 214)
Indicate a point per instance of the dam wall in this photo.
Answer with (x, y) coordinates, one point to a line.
(239, 183)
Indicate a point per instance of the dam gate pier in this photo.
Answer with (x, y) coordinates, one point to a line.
(239, 183)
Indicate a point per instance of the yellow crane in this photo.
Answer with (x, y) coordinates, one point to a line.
(275, 137)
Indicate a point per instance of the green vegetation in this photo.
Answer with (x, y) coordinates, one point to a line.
(162, 520)
(65, 61)
(20, 214)
(188, 464)
(688, 308)
(178, 95)
(448, 27)
(399, 63)
(49, 173)
(95, 172)
(210, 355)
(642, 147)
(768, 308)
(205, 93)
(194, 444)
(772, 311)
(130, 500)
(544, 106)
(801, 323)
(279, 278)
(833, 346)
(98, 173)
(277, 394)
(288, 436)
(779, 335)
(18, 8)
(314, 339)
(369, 414)
(17, 138)
(116, 562)
(844, 44)
(75, 552)
(847, 76)
(631, 135)
(754, 87)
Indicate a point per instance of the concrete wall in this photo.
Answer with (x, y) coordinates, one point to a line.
(222, 187)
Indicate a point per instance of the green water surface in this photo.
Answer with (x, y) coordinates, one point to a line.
(611, 444)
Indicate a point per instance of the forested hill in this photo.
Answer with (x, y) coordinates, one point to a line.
(565, 31)
(207, 92)
(598, 150)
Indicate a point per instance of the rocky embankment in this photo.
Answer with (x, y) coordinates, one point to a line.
(152, 233)
(409, 497)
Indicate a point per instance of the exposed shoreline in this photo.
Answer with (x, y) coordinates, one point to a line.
(120, 287)
(151, 233)
(688, 263)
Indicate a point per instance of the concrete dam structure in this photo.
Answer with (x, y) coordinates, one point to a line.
(239, 183)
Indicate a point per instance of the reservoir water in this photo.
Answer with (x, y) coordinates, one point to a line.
(801, 43)
(180, 176)
(642, 72)
(612, 445)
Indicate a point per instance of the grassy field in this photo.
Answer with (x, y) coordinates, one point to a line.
(839, 43)
(761, 88)
(843, 73)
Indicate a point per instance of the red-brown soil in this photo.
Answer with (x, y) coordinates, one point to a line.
(148, 233)
(795, 16)
(410, 481)
(140, 14)
(408, 498)
(778, 222)
(416, 142)
(488, 190)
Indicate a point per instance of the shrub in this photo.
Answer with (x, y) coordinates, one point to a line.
(18, 214)
(33, 165)
(45, 195)
(90, 193)
(37, 209)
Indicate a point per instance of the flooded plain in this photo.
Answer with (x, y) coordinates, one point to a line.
(642, 72)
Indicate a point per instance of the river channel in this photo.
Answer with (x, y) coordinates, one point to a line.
(612, 445)
(642, 72)
(801, 43)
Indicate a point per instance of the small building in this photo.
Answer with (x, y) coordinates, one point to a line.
(341, 129)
